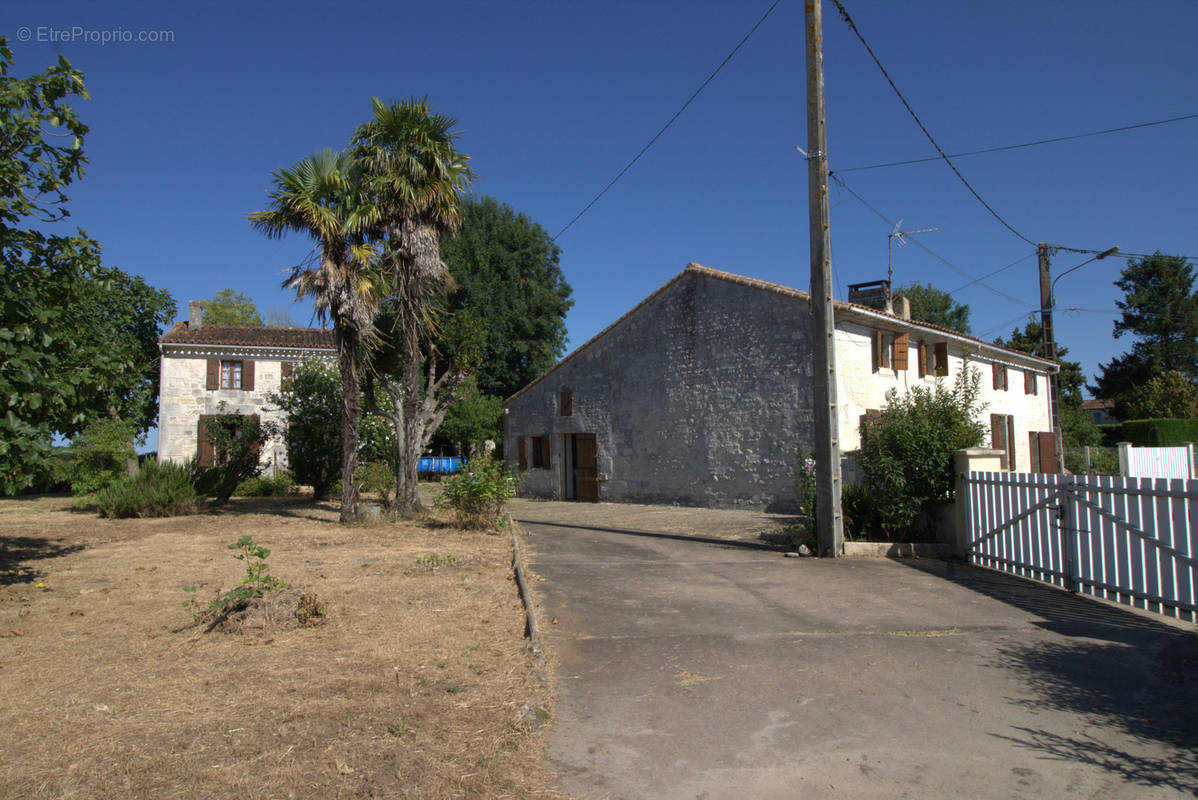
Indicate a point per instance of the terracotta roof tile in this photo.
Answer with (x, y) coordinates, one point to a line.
(250, 336)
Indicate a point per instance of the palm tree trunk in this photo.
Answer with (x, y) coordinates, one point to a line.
(408, 501)
(347, 353)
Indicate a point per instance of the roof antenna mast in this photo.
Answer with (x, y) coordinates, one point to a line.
(899, 234)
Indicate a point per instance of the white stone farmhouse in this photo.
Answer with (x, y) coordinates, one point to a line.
(205, 365)
(701, 395)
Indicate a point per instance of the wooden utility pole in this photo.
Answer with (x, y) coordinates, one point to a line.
(829, 524)
(1050, 351)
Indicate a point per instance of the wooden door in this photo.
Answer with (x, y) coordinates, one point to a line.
(586, 466)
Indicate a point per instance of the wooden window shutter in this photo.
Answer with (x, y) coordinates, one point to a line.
(922, 355)
(213, 374)
(1029, 382)
(285, 369)
(998, 436)
(205, 452)
(247, 376)
(941, 356)
(522, 450)
(567, 403)
(257, 442)
(1046, 448)
(998, 376)
(901, 344)
(1011, 443)
(546, 451)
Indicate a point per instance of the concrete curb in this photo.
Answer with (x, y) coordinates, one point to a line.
(896, 550)
(532, 629)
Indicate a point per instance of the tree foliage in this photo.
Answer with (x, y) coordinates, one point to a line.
(311, 399)
(1030, 340)
(229, 307)
(907, 452)
(506, 271)
(1168, 394)
(935, 306)
(473, 418)
(77, 340)
(1160, 312)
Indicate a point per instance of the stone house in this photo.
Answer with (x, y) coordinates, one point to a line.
(700, 395)
(205, 365)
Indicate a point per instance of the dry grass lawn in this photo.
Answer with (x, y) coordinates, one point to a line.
(418, 684)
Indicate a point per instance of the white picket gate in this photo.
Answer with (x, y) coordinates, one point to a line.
(1133, 540)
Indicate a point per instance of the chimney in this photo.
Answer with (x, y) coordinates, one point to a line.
(875, 294)
(902, 307)
(195, 315)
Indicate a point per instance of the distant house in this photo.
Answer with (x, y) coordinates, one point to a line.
(205, 365)
(701, 395)
(1101, 411)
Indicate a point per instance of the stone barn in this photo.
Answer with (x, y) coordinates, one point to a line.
(701, 395)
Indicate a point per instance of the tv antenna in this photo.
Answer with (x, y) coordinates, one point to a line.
(899, 234)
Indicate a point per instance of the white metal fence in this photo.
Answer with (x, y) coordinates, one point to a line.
(1133, 540)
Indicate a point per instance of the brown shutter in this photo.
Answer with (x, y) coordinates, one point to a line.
(205, 453)
(901, 343)
(247, 375)
(998, 435)
(567, 403)
(1046, 449)
(213, 374)
(922, 354)
(546, 451)
(257, 442)
(285, 369)
(996, 376)
(523, 453)
(1029, 382)
(1033, 450)
(1011, 443)
(941, 354)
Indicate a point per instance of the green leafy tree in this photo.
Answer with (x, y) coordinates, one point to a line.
(935, 306)
(473, 418)
(101, 453)
(322, 197)
(506, 271)
(907, 452)
(1160, 312)
(414, 176)
(78, 341)
(228, 307)
(1168, 394)
(311, 399)
(1030, 340)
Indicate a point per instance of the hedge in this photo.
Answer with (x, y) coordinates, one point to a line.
(1160, 432)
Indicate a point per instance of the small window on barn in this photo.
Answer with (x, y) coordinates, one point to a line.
(541, 452)
(1030, 385)
(566, 404)
(1000, 376)
(940, 358)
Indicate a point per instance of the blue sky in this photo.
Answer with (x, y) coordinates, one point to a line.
(553, 98)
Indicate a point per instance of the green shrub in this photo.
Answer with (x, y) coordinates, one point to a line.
(907, 452)
(159, 489)
(1161, 432)
(476, 495)
(1169, 395)
(860, 518)
(101, 452)
(1103, 461)
(281, 484)
(377, 477)
(236, 439)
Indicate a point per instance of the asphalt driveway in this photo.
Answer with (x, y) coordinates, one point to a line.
(694, 662)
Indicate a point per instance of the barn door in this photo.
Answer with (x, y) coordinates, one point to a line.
(586, 466)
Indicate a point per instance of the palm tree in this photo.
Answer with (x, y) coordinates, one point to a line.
(321, 196)
(415, 177)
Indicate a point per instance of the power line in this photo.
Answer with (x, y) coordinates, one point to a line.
(840, 181)
(1120, 254)
(853, 27)
(677, 114)
(995, 272)
(1036, 143)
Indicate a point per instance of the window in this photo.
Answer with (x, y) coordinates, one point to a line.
(566, 405)
(883, 349)
(940, 358)
(1002, 437)
(541, 452)
(286, 368)
(230, 374)
(1030, 385)
(1000, 376)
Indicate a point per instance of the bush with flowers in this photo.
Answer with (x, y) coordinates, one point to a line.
(476, 495)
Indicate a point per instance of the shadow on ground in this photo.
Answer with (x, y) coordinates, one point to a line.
(680, 537)
(17, 553)
(1123, 670)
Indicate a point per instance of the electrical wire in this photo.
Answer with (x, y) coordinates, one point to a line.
(995, 272)
(1036, 143)
(853, 27)
(1120, 254)
(840, 181)
(665, 127)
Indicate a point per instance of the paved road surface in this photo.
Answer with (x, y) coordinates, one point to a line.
(707, 667)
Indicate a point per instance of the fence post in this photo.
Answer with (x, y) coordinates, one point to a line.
(1125, 459)
(1067, 523)
(1087, 459)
